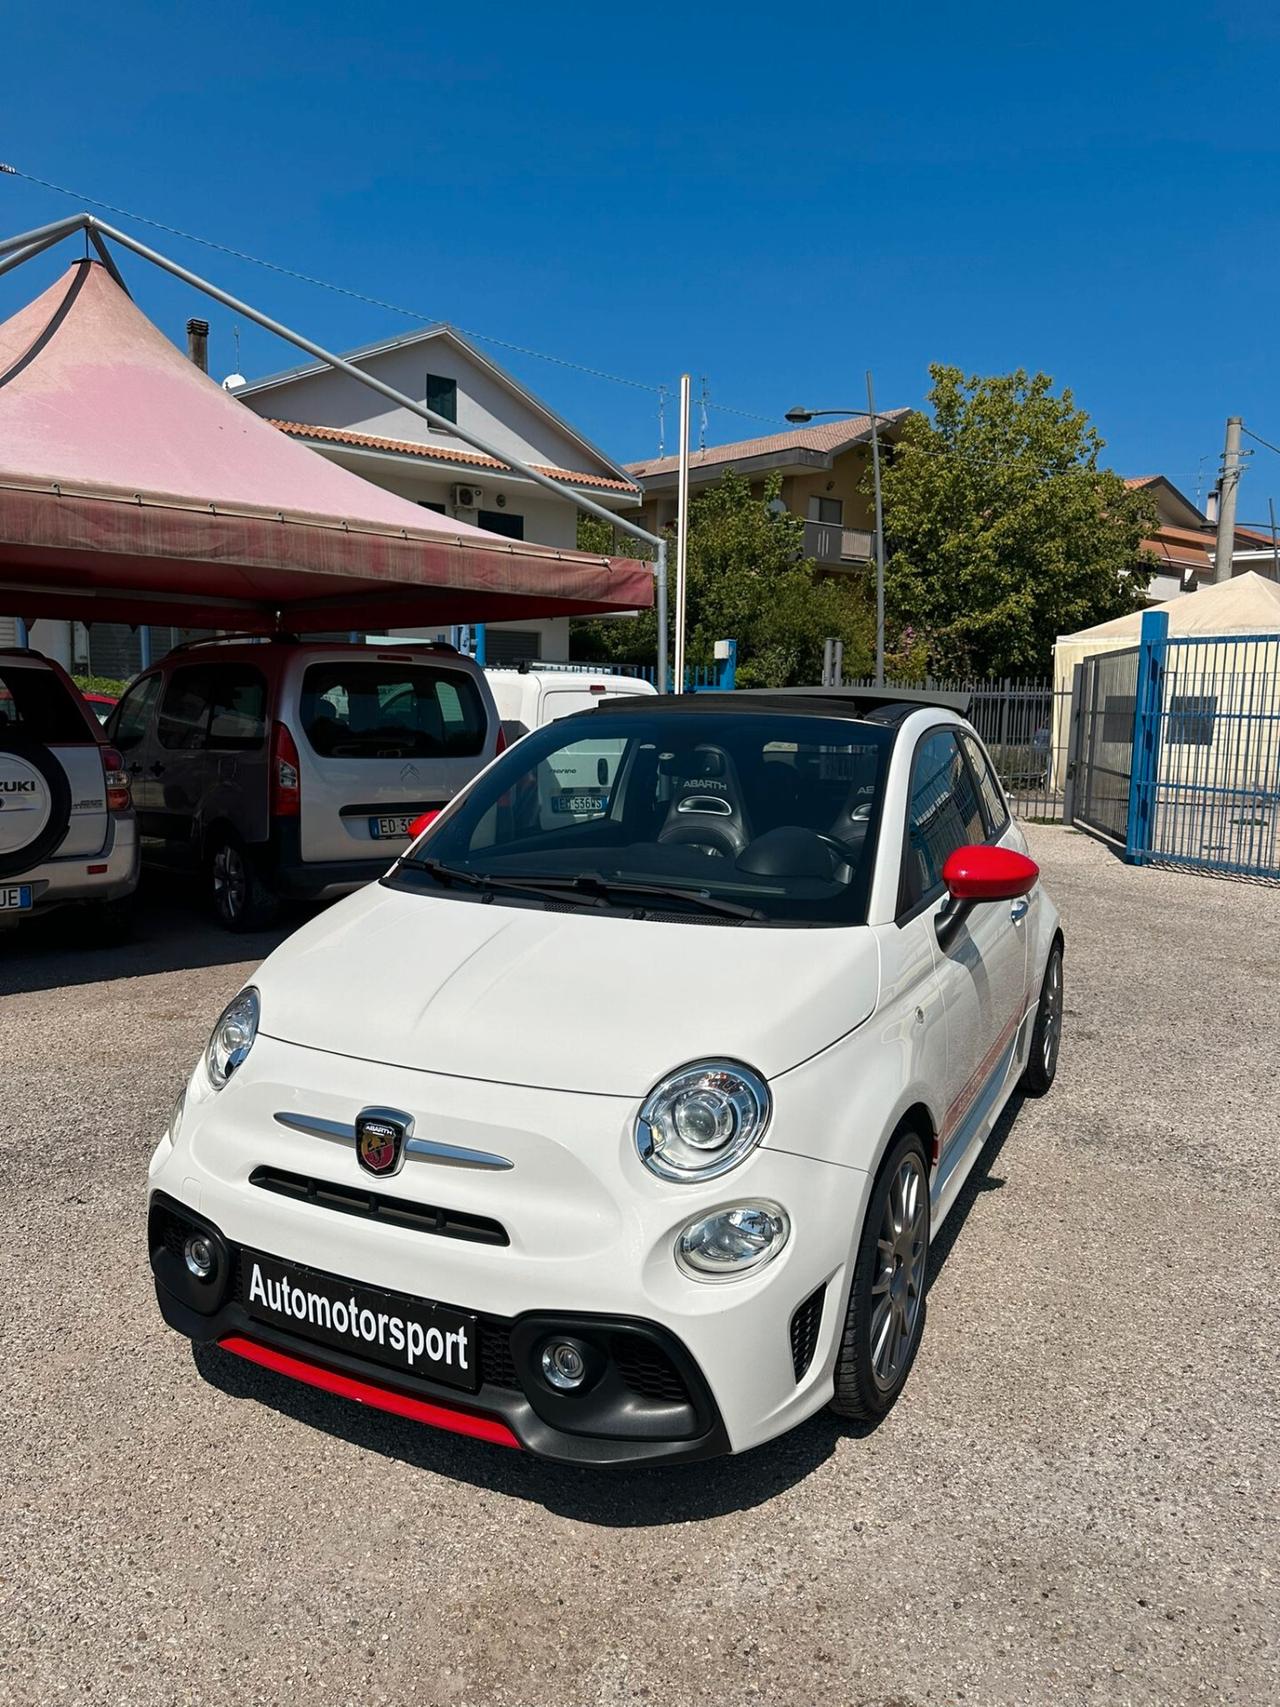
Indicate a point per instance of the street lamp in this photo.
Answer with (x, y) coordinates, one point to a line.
(799, 417)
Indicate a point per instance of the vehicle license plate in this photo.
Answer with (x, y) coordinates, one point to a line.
(578, 803)
(409, 1335)
(15, 898)
(395, 826)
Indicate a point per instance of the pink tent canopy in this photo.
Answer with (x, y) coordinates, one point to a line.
(134, 489)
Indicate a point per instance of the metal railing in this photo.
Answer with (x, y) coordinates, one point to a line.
(829, 542)
(1025, 725)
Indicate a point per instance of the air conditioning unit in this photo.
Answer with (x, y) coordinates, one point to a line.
(466, 497)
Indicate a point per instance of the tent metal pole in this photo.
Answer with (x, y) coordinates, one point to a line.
(59, 228)
(18, 256)
(108, 261)
(420, 409)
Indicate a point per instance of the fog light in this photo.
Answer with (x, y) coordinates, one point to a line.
(198, 1252)
(733, 1242)
(564, 1365)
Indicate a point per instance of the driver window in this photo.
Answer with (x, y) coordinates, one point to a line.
(943, 813)
(132, 716)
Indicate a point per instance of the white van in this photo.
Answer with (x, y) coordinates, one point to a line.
(530, 699)
(527, 699)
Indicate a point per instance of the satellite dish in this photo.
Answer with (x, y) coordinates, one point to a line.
(234, 381)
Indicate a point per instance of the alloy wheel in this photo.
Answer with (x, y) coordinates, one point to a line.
(898, 1290)
(1052, 1026)
(230, 881)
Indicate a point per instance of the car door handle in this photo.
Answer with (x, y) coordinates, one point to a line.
(1019, 910)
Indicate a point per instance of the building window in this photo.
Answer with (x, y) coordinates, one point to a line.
(430, 504)
(505, 522)
(442, 396)
(830, 510)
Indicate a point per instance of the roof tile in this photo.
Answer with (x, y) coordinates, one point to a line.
(825, 437)
(438, 453)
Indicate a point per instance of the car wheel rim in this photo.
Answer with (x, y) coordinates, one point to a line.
(898, 1290)
(1052, 1031)
(229, 881)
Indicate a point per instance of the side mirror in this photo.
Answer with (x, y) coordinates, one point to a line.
(976, 874)
(423, 821)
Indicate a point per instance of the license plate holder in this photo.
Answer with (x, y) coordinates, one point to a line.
(15, 897)
(428, 1340)
(390, 825)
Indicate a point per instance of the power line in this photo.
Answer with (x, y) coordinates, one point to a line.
(1265, 443)
(324, 284)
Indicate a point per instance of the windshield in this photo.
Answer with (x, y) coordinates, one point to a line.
(750, 816)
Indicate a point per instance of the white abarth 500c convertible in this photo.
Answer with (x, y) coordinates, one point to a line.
(614, 1122)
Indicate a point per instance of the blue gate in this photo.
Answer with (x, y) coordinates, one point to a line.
(1205, 783)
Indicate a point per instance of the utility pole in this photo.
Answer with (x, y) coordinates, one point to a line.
(1275, 539)
(682, 531)
(875, 464)
(1227, 502)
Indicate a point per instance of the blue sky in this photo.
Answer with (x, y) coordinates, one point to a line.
(774, 200)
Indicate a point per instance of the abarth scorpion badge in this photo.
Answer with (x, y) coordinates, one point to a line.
(380, 1136)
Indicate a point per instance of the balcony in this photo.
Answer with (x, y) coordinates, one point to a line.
(831, 546)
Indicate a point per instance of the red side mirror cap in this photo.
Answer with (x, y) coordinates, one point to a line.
(422, 821)
(989, 874)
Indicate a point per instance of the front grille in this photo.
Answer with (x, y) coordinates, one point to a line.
(804, 1330)
(172, 1231)
(373, 1206)
(647, 1370)
(497, 1366)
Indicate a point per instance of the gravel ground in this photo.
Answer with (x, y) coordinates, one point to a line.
(1076, 1500)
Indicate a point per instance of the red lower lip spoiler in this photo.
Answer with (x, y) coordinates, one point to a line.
(365, 1393)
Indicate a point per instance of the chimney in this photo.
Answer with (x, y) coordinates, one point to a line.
(1211, 505)
(198, 343)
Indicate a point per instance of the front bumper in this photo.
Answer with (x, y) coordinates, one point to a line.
(631, 1422)
(587, 1248)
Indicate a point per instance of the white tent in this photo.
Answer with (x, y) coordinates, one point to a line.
(1246, 606)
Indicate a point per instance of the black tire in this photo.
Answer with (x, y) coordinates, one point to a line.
(55, 779)
(868, 1379)
(1046, 1036)
(241, 900)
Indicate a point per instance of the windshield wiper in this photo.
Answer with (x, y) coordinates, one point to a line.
(590, 884)
(587, 888)
(548, 887)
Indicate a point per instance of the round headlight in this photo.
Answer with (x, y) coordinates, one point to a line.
(732, 1242)
(232, 1037)
(702, 1121)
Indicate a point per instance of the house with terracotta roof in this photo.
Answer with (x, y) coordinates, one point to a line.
(346, 422)
(824, 470)
(1185, 542)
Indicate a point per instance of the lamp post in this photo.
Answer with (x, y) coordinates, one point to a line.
(799, 417)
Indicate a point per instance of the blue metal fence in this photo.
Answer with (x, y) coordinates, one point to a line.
(698, 678)
(1205, 787)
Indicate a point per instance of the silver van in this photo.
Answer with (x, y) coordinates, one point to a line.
(283, 768)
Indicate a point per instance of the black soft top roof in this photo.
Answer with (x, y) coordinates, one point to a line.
(877, 705)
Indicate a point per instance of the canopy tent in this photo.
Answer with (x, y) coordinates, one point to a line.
(134, 489)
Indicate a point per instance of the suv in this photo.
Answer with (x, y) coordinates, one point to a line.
(277, 768)
(67, 829)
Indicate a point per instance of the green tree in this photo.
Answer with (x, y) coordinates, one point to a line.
(749, 580)
(1003, 532)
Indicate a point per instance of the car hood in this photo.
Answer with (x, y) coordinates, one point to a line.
(561, 1000)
